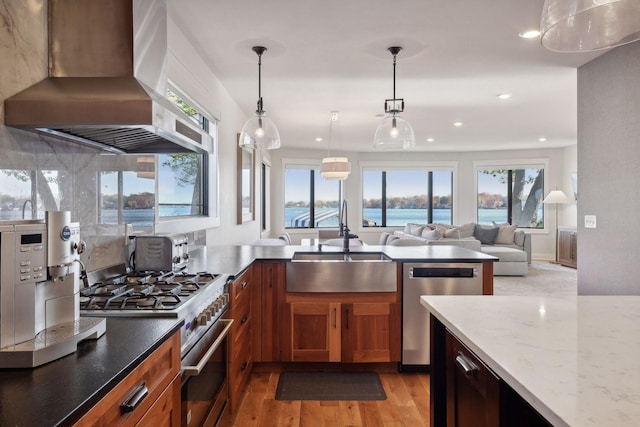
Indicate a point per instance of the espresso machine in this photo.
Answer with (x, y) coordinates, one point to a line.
(40, 271)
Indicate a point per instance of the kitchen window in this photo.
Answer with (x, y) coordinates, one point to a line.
(157, 190)
(395, 197)
(511, 194)
(310, 200)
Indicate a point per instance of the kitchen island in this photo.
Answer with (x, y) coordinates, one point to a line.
(62, 391)
(233, 260)
(572, 359)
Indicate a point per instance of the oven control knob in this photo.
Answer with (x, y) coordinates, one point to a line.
(202, 319)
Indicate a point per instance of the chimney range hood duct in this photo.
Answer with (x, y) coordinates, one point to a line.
(107, 81)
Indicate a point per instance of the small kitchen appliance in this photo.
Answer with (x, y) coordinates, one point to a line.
(39, 291)
(161, 253)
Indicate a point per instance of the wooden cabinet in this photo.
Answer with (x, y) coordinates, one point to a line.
(370, 332)
(473, 390)
(312, 332)
(159, 375)
(241, 357)
(340, 329)
(267, 299)
(568, 247)
(464, 391)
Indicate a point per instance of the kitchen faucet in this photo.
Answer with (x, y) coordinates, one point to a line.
(344, 228)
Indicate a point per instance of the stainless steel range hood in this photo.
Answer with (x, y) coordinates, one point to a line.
(107, 81)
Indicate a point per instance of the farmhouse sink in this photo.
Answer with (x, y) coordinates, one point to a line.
(340, 256)
(341, 272)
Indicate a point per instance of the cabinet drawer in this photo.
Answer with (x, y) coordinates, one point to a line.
(240, 286)
(241, 364)
(241, 316)
(469, 366)
(166, 410)
(155, 373)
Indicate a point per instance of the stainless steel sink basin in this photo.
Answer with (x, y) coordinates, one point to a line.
(340, 256)
(341, 272)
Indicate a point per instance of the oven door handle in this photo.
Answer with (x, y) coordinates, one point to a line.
(194, 370)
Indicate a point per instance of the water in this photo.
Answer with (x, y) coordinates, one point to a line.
(400, 217)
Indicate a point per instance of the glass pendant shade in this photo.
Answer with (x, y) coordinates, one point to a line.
(335, 168)
(259, 133)
(587, 25)
(394, 133)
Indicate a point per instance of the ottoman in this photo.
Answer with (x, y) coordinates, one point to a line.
(511, 262)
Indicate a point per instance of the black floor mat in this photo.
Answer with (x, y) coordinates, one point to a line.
(330, 386)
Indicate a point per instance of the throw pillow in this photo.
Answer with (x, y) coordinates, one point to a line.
(451, 233)
(487, 236)
(506, 235)
(467, 230)
(431, 234)
(416, 230)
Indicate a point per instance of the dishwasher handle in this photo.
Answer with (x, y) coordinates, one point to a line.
(442, 272)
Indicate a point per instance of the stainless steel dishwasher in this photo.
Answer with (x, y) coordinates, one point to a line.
(430, 279)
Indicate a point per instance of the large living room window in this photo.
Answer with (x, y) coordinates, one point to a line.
(511, 195)
(396, 197)
(309, 200)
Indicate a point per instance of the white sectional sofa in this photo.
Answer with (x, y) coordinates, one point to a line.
(511, 246)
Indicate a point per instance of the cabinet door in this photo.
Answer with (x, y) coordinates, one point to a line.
(473, 391)
(311, 332)
(266, 310)
(370, 332)
(567, 248)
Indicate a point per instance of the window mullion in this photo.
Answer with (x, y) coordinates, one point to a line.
(312, 199)
(384, 198)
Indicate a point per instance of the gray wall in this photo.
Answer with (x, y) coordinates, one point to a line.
(608, 172)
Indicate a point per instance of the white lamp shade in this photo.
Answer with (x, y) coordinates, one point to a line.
(259, 132)
(335, 168)
(394, 133)
(556, 197)
(587, 25)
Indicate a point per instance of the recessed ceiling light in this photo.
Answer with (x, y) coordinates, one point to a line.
(318, 139)
(529, 34)
(430, 140)
(457, 124)
(543, 139)
(504, 95)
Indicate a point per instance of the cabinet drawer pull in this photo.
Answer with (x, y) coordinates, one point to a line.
(244, 365)
(244, 284)
(244, 319)
(335, 318)
(135, 399)
(467, 365)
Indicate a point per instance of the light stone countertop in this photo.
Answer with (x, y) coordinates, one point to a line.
(574, 359)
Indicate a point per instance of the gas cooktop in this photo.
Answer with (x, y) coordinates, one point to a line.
(149, 293)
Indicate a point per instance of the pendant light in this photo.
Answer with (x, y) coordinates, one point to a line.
(259, 131)
(587, 25)
(334, 167)
(394, 132)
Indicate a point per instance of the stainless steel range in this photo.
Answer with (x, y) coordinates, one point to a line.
(201, 300)
(198, 298)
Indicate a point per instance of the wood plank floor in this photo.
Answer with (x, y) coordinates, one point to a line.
(407, 405)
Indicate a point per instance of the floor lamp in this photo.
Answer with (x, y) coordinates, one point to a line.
(556, 197)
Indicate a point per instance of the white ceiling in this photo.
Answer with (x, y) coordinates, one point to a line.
(326, 55)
